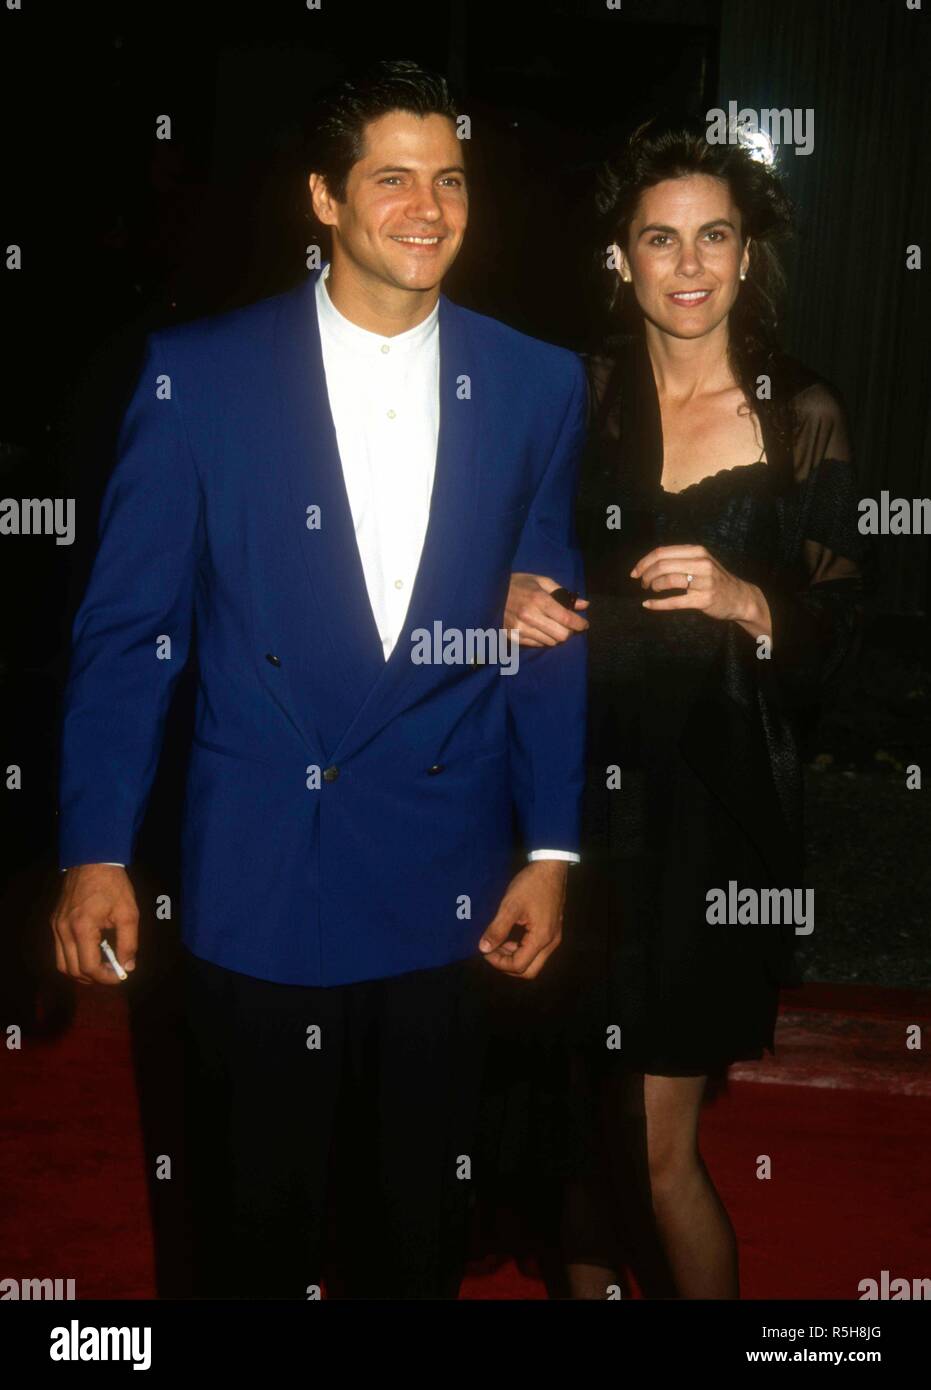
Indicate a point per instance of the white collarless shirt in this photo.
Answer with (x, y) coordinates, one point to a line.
(385, 402)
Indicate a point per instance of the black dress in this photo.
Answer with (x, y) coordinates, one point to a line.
(706, 738)
(694, 777)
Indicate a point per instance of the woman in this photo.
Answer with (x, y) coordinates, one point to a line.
(717, 514)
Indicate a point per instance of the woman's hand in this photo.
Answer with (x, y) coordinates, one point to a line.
(713, 589)
(539, 620)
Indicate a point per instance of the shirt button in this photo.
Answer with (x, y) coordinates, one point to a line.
(385, 347)
(399, 583)
(392, 414)
(330, 774)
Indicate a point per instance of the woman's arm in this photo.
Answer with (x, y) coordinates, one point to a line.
(816, 599)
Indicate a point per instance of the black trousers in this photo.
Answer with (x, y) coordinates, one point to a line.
(329, 1131)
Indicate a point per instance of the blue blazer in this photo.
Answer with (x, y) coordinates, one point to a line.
(346, 817)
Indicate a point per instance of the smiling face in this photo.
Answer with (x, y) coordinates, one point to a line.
(406, 207)
(684, 254)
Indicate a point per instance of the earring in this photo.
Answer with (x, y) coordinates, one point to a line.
(743, 275)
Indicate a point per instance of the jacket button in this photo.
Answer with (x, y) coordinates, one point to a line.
(330, 774)
(272, 659)
(437, 767)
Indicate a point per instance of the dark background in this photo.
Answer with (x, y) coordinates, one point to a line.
(122, 233)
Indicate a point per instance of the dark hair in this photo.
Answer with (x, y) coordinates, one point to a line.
(664, 148)
(337, 136)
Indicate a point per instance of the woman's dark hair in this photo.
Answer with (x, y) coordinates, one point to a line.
(671, 149)
(337, 135)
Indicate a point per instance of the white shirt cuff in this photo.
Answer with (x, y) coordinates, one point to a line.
(569, 855)
(112, 862)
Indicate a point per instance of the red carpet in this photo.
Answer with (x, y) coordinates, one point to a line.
(844, 1115)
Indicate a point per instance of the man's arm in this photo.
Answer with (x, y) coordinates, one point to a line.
(547, 694)
(546, 721)
(132, 632)
(130, 642)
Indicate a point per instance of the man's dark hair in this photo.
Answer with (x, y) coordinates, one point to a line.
(337, 136)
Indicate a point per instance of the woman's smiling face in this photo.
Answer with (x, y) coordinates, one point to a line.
(685, 254)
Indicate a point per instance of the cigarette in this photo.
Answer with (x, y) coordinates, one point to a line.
(108, 952)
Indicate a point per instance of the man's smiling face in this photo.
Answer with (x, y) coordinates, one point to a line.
(406, 206)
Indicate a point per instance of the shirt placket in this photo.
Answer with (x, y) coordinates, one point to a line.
(394, 488)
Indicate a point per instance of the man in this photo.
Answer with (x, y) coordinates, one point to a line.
(331, 487)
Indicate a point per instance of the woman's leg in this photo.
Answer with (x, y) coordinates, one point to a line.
(592, 1264)
(608, 1222)
(692, 1221)
(588, 1235)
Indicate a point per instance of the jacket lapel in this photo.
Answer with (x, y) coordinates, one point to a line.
(339, 637)
(453, 501)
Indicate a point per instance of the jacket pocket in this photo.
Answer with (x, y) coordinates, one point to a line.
(229, 752)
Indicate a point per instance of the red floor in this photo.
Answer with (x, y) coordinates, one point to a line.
(845, 1118)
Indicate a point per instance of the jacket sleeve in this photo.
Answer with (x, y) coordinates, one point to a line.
(547, 695)
(132, 632)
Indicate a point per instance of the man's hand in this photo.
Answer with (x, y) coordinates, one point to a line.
(93, 899)
(539, 620)
(534, 899)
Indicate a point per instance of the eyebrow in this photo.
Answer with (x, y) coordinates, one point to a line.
(705, 226)
(403, 169)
